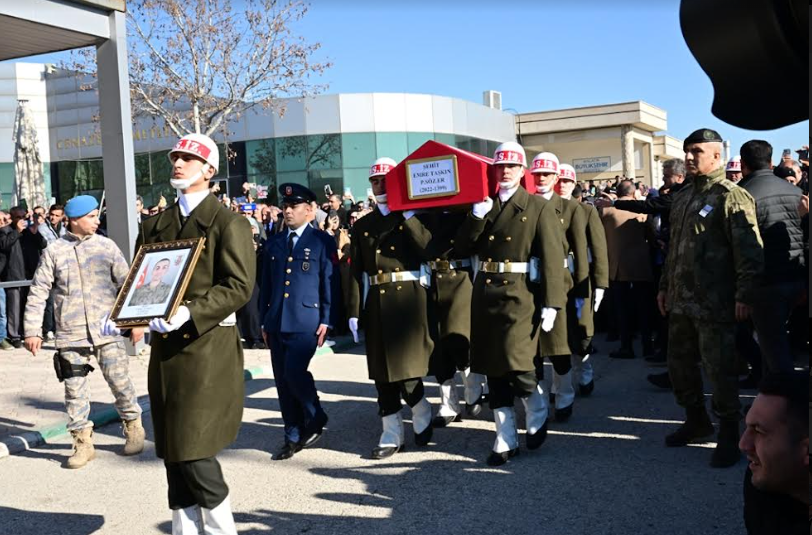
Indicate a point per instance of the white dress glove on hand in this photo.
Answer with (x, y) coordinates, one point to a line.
(548, 318)
(354, 329)
(408, 214)
(598, 298)
(481, 209)
(109, 328)
(579, 306)
(160, 325)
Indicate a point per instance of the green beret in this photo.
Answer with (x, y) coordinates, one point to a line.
(703, 135)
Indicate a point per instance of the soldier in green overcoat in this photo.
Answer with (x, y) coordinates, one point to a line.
(195, 381)
(386, 293)
(556, 345)
(513, 297)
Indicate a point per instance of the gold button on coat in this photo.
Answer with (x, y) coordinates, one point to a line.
(287, 283)
(187, 336)
(287, 295)
(487, 281)
(491, 237)
(164, 336)
(383, 291)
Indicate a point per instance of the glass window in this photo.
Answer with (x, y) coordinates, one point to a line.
(416, 139)
(298, 177)
(358, 150)
(143, 177)
(160, 167)
(357, 180)
(95, 174)
(146, 194)
(463, 142)
(324, 151)
(261, 157)
(318, 180)
(447, 139)
(291, 154)
(392, 144)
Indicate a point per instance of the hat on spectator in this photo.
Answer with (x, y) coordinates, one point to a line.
(703, 135)
(81, 205)
(293, 193)
(734, 165)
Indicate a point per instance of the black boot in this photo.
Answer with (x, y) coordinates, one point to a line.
(727, 452)
(697, 426)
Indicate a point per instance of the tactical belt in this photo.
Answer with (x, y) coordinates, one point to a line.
(398, 276)
(448, 265)
(504, 267)
(65, 369)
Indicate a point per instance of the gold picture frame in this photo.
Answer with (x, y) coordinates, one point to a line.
(409, 177)
(157, 282)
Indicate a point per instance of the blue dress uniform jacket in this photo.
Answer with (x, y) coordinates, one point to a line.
(296, 288)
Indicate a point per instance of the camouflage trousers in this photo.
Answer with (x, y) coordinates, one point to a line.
(693, 343)
(114, 364)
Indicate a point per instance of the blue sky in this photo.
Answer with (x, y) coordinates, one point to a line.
(541, 55)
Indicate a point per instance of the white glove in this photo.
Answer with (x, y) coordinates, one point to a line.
(579, 306)
(408, 214)
(548, 318)
(354, 329)
(481, 209)
(160, 325)
(598, 298)
(109, 328)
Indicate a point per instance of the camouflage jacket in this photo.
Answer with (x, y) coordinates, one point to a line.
(716, 252)
(83, 274)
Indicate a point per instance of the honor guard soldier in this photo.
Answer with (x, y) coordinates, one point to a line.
(714, 260)
(196, 383)
(581, 334)
(295, 301)
(385, 265)
(555, 344)
(83, 271)
(733, 169)
(449, 312)
(513, 297)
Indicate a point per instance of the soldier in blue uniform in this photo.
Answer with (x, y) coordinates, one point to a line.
(295, 302)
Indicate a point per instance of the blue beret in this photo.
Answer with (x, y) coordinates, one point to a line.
(81, 205)
(293, 193)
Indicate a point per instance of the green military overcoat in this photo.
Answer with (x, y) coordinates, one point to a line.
(573, 223)
(598, 266)
(449, 297)
(398, 344)
(195, 377)
(505, 308)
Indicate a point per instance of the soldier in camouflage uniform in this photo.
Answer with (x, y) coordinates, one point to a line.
(716, 254)
(156, 291)
(84, 271)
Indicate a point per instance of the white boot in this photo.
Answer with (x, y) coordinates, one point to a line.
(187, 521)
(474, 384)
(507, 437)
(536, 410)
(449, 402)
(584, 374)
(421, 421)
(219, 521)
(564, 395)
(391, 438)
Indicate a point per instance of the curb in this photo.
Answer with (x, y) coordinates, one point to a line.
(14, 444)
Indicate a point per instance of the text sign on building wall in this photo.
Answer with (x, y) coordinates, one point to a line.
(432, 177)
(601, 164)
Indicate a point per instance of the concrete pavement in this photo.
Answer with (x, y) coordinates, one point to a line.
(606, 471)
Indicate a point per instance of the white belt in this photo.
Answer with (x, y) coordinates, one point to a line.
(447, 265)
(504, 267)
(397, 276)
(569, 263)
(230, 321)
(589, 254)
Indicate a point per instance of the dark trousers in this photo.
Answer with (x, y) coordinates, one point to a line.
(389, 395)
(562, 364)
(503, 390)
(633, 301)
(298, 399)
(248, 319)
(747, 348)
(195, 483)
(450, 354)
(772, 306)
(15, 307)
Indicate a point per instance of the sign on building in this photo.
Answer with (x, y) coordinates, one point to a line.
(600, 164)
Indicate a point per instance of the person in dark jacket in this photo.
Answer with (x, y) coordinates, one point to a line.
(782, 282)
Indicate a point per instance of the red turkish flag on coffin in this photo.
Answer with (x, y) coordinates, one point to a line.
(440, 175)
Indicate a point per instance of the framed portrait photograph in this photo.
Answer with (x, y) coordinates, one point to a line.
(156, 282)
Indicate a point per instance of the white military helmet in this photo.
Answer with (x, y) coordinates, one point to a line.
(545, 162)
(509, 153)
(734, 165)
(201, 146)
(382, 166)
(566, 172)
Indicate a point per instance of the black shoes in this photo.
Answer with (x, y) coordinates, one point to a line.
(474, 410)
(445, 421)
(563, 414)
(727, 451)
(586, 390)
(535, 440)
(697, 426)
(660, 380)
(498, 459)
(314, 431)
(622, 353)
(288, 450)
(384, 452)
(423, 439)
